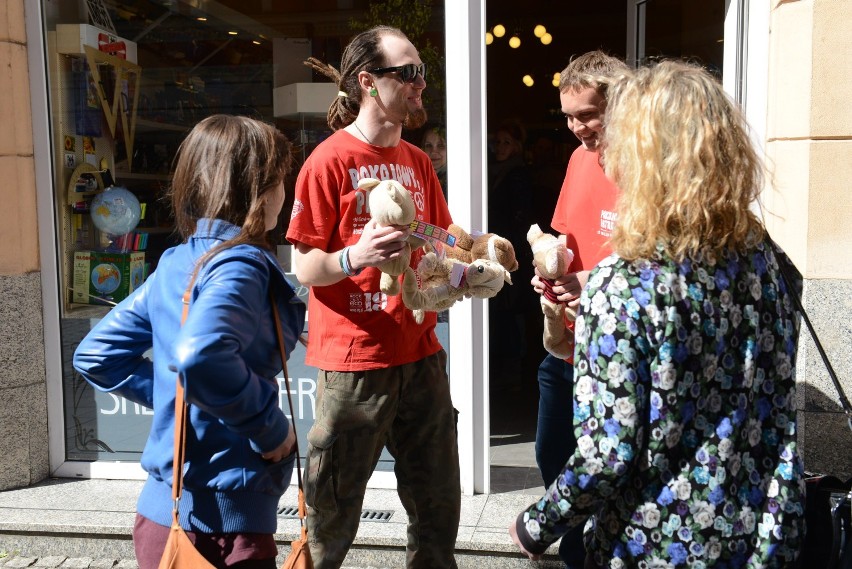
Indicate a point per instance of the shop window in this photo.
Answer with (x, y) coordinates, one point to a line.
(128, 80)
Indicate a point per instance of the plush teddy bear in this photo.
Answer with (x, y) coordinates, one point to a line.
(552, 259)
(391, 204)
(439, 289)
(488, 246)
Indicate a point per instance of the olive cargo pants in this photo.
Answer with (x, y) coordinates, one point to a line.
(408, 409)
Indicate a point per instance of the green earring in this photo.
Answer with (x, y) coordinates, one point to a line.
(373, 92)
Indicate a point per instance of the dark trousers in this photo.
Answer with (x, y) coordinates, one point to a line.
(555, 441)
(223, 550)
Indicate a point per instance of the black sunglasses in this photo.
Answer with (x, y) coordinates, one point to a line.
(408, 72)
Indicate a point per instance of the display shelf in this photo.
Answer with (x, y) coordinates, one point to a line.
(147, 125)
(124, 175)
(91, 311)
(155, 230)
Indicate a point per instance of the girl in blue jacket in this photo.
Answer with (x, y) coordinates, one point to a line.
(227, 193)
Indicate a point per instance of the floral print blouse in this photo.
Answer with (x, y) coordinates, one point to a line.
(685, 418)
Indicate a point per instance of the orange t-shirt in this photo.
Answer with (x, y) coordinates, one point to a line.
(585, 211)
(353, 326)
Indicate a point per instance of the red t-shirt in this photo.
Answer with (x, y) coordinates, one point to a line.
(585, 211)
(353, 326)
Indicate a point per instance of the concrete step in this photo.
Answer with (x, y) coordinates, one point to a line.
(93, 519)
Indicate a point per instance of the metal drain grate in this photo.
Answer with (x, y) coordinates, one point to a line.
(376, 515)
(292, 512)
(289, 512)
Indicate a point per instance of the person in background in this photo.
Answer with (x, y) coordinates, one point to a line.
(382, 378)
(584, 218)
(547, 170)
(508, 180)
(514, 309)
(684, 398)
(227, 193)
(434, 144)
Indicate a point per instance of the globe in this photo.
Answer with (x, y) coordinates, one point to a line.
(116, 211)
(105, 278)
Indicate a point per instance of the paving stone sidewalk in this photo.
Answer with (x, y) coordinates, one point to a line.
(15, 561)
(61, 562)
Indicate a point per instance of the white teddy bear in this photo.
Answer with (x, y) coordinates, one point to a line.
(391, 204)
(552, 259)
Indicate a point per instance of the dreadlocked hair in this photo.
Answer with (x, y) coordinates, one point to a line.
(362, 53)
(342, 110)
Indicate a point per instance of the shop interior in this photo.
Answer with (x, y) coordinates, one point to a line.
(195, 58)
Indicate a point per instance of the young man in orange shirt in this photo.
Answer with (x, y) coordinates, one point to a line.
(584, 217)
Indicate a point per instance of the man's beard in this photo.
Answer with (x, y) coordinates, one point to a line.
(415, 119)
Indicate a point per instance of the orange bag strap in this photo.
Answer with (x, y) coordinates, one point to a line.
(180, 416)
(280, 336)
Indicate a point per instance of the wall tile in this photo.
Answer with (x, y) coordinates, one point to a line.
(831, 113)
(23, 396)
(830, 209)
(790, 68)
(12, 21)
(15, 114)
(21, 414)
(19, 228)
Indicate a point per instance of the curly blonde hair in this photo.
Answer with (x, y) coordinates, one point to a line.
(679, 150)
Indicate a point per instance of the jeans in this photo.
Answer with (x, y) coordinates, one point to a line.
(555, 441)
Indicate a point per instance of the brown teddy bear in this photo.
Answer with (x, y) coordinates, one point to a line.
(391, 204)
(552, 259)
(489, 246)
(445, 281)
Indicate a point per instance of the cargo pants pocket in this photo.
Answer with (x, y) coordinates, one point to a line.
(319, 470)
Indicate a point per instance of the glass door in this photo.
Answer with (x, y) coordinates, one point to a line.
(660, 29)
(528, 149)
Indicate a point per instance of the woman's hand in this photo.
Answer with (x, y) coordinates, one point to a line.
(513, 533)
(283, 450)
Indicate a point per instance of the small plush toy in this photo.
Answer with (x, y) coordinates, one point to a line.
(488, 246)
(552, 259)
(445, 281)
(391, 204)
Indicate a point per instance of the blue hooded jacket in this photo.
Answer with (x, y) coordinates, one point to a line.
(227, 354)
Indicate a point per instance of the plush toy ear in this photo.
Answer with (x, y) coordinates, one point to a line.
(368, 183)
(501, 250)
(534, 233)
(507, 277)
(463, 238)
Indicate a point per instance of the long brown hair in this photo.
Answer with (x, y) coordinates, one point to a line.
(224, 168)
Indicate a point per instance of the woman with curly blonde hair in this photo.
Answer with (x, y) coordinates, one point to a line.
(682, 156)
(684, 395)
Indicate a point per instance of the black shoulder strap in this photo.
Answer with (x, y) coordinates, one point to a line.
(784, 267)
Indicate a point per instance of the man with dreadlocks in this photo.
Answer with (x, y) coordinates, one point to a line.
(382, 379)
